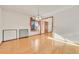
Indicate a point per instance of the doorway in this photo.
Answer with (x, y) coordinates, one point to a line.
(46, 27)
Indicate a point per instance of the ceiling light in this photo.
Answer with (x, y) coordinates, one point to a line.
(38, 17)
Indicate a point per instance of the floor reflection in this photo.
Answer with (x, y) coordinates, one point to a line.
(38, 44)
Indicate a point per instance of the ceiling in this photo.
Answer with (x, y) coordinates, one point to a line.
(32, 10)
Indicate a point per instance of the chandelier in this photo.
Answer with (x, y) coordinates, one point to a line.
(38, 17)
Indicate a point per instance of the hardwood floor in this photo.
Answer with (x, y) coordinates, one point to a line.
(39, 44)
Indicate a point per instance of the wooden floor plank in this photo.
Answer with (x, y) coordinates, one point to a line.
(39, 44)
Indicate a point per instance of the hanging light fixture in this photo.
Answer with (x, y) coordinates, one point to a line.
(38, 17)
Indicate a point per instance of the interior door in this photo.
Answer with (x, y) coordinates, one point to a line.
(46, 27)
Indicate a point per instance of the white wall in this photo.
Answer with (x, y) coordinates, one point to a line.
(42, 27)
(49, 24)
(66, 23)
(0, 25)
(14, 20)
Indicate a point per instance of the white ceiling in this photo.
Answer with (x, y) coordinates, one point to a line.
(32, 10)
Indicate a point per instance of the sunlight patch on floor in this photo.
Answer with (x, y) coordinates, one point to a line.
(59, 38)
